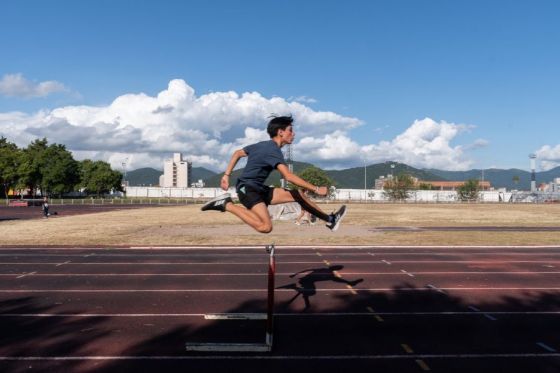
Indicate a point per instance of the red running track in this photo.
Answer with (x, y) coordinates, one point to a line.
(459, 309)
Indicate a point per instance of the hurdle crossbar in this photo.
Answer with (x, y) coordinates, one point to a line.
(268, 316)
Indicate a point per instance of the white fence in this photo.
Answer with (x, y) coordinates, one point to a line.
(357, 195)
(159, 192)
(420, 196)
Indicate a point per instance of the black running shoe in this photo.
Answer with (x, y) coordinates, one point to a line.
(218, 203)
(337, 218)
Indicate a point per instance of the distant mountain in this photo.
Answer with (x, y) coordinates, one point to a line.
(143, 176)
(273, 179)
(353, 178)
(150, 176)
(499, 178)
(201, 173)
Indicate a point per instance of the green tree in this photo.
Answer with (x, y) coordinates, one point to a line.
(316, 176)
(59, 171)
(469, 190)
(9, 160)
(30, 165)
(515, 180)
(398, 188)
(425, 186)
(98, 178)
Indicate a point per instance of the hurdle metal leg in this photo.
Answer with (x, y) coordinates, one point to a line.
(268, 316)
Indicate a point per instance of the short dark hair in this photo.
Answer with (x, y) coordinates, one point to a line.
(278, 123)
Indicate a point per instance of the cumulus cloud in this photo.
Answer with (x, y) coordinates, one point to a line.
(425, 144)
(145, 130)
(303, 99)
(548, 157)
(16, 85)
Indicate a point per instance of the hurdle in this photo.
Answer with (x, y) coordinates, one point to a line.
(265, 346)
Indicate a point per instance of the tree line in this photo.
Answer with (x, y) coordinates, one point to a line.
(399, 188)
(52, 170)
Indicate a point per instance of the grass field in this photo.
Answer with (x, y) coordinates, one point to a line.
(187, 225)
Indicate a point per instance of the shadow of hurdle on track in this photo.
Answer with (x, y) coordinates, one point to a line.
(430, 321)
(306, 286)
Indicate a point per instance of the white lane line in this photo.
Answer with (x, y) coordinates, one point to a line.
(485, 314)
(155, 254)
(265, 274)
(287, 262)
(546, 347)
(407, 273)
(386, 262)
(289, 247)
(164, 263)
(428, 288)
(286, 357)
(327, 314)
(66, 262)
(432, 287)
(26, 274)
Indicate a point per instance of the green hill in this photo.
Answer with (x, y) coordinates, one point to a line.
(273, 179)
(501, 178)
(353, 178)
(150, 176)
(143, 176)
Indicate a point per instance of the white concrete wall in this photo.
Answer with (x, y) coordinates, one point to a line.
(358, 195)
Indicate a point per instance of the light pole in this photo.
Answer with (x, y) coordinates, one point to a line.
(365, 175)
(124, 172)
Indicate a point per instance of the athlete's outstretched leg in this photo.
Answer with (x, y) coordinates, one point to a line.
(333, 220)
(257, 217)
(309, 206)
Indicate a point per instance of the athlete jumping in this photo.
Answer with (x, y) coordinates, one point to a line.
(263, 158)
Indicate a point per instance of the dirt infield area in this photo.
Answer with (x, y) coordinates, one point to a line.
(365, 224)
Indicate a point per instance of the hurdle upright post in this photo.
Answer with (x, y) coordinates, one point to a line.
(268, 316)
(270, 303)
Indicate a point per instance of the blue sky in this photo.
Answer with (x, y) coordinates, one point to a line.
(445, 84)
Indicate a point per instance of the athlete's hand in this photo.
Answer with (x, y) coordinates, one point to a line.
(225, 182)
(323, 191)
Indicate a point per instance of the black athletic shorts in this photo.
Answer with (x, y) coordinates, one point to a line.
(250, 196)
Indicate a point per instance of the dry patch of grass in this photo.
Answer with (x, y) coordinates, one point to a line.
(187, 225)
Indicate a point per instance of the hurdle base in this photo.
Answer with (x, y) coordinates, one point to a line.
(229, 347)
(269, 317)
(235, 316)
(232, 347)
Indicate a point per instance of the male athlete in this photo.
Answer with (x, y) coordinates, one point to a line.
(263, 158)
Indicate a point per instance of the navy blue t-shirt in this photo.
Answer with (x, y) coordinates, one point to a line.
(262, 159)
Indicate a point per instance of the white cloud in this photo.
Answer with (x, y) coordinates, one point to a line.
(147, 129)
(15, 85)
(477, 144)
(303, 99)
(425, 144)
(548, 157)
(208, 128)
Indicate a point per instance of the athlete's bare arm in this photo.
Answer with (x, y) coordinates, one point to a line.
(296, 180)
(237, 155)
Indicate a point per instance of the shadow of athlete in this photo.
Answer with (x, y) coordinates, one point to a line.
(306, 287)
